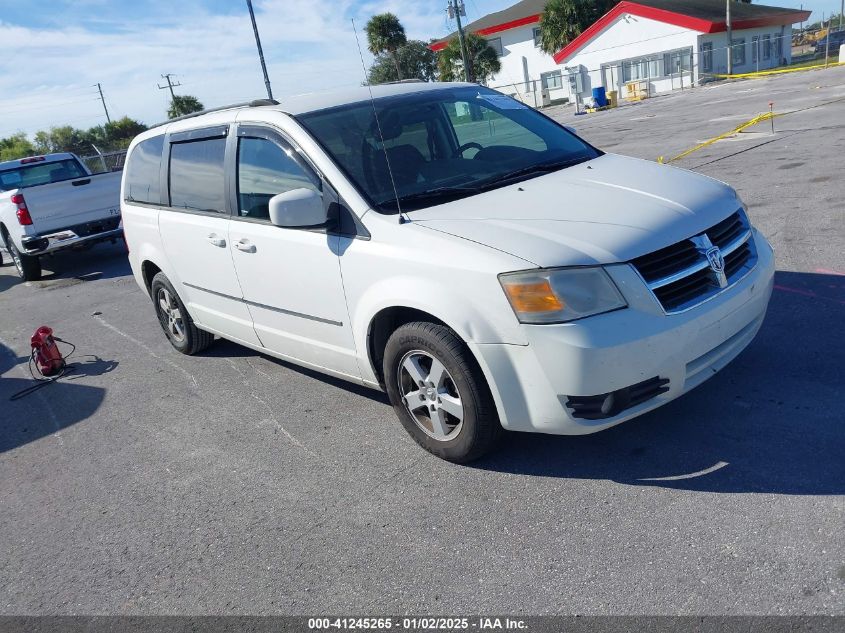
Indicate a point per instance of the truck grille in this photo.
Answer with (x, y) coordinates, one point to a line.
(680, 275)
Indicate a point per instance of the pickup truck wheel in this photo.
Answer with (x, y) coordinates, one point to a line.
(439, 393)
(29, 267)
(175, 320)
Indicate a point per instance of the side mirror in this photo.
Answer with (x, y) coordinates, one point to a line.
(298, 209)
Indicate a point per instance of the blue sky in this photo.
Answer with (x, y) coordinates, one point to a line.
(54, 51)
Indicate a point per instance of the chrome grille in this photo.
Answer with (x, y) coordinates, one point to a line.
(680, 275)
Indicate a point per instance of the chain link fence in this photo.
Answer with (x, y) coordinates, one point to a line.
(648, 75)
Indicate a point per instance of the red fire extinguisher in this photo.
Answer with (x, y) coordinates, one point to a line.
(45, 352)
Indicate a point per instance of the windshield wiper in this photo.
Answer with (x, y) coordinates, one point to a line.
(539, 168)
(447, 194)
(440, 194)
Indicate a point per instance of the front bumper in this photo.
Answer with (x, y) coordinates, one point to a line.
(70, 237)
(534, 386)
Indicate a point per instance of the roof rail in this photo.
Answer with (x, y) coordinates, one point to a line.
(405, 81)
(255, 103)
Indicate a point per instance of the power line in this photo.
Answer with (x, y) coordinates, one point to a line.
(48, 106)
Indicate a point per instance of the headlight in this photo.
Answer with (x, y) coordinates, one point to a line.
(560, 295)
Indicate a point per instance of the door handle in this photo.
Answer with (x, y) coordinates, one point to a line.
(217, 241)
(245, 245)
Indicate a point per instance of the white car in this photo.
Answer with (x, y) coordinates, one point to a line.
(476, 260)
(51, 203)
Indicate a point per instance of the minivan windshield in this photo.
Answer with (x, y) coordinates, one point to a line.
(436, 146)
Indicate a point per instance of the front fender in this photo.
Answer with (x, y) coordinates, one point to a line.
(475, 318)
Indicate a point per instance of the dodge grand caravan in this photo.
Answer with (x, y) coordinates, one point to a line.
(479, 262)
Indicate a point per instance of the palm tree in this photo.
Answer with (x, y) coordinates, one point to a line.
(183, 104)
(385, 34)
(483, 60)
(564, 20)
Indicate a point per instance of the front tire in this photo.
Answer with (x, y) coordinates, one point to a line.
(439, 393)
(175, 320)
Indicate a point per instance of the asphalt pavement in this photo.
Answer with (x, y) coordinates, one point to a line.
(152, 483)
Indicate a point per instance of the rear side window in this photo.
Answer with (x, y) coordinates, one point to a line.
(143, 172)
(196, 175)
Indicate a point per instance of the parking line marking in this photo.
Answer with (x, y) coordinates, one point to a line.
(146, 348)
(706, 471)
(272, 418)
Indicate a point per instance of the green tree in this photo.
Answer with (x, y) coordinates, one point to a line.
(483, 60)
(416, 61)
(115, 135)
(16, 146)
(183, 104)
(385, 34)
(564, 20)
(120, 133)
(63, 138)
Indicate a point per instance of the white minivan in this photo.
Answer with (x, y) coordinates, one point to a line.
(475, 259)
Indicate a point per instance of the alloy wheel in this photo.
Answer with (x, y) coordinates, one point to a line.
(171, 315)
(430, 395)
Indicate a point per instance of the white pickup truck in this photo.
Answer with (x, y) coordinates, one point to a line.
(53, 202)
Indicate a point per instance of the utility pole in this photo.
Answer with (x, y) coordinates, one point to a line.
(260, 52)
(170, 85)
(456, 9)
(108, 118)
(827, 40)
(841, 11)
(730, 37)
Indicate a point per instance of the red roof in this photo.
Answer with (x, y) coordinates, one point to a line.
(705, 16)
(771, 17)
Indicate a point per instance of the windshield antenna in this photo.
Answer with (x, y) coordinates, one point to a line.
(402, 218)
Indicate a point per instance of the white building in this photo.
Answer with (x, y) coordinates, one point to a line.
(647, 46)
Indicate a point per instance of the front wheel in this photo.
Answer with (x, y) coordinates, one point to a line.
(439, 392)
(175, 320)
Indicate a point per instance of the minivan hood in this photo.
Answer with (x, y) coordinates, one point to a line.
(610, 209)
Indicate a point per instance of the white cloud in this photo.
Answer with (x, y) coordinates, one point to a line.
(47, 74)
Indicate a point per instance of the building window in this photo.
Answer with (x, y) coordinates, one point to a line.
(755, 49)
(677, 62)
(552, 80)
(707, 56)
(767, 47)
(738, 51)
(779, 47)
(536, 38)
(496, 44)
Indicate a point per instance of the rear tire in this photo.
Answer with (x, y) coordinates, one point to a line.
(439, 393)
(28, 266)
(175, 320)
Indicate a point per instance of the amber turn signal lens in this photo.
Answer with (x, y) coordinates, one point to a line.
(532, 297)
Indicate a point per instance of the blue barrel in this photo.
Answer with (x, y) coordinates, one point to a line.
(599, 97)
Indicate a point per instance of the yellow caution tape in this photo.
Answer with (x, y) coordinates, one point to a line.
(739, 128)
(764, 73)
